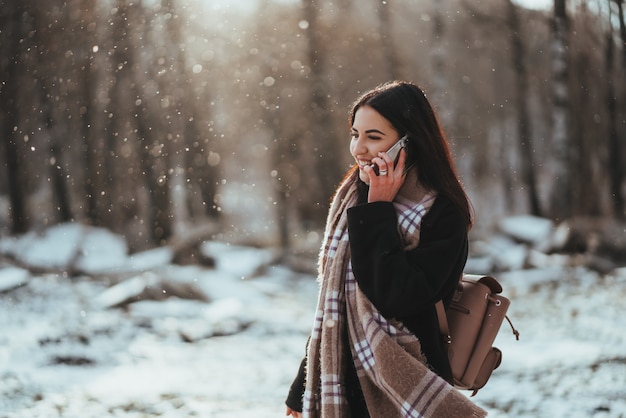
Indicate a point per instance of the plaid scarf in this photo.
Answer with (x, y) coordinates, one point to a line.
(392, 371)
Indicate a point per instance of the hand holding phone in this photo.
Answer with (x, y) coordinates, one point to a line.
(383, 187)
(394, 152)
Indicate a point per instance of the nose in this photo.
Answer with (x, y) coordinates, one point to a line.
(358, 145)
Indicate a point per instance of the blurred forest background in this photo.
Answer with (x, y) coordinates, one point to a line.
(163, 118)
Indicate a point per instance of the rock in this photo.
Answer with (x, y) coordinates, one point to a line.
(72, 360)
(538, 259)
(527, 228)
(480, 265)
(146, 260)
(500, 253)
(603, 237)
(192, 320)
(99, 249)
(69, 247)
(148, 286)
(512, 258)
(240, 261)
(13, 277)
(186, 245)
(125, 291)
(223, 317)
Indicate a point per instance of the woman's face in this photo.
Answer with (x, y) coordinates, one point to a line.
(371, 133)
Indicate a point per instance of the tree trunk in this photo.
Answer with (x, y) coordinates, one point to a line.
(112, 199)
(615, 167)
(386, 39)
(622, 29)
(561, 190)
(48, 40)
(524, 131)
(10, 51)
(616, 172)
(201, 174)
(152, 147)
(318, 152)
(58, 177)
(441, 82)
(172, 209)
(183, 123)
(88, 86)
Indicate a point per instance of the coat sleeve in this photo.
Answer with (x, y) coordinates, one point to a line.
(296, 391)
(405, 283)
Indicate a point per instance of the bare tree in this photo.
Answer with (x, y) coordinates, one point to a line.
(176, 112)
(386, 38)
(151, 160)
(49, 39)
(616, 172)
(318, 148)
(116, 131)
(88, 81)
(201, 174)
(510, 23)
(561, 193)
(524, 131)
(588, 142)
(622, 29)
(154, 147)
(11, 14)
(440, 80)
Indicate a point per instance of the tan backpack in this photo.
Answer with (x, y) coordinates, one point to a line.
(469, 327)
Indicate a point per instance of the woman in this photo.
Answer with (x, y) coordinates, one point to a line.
(396, 242)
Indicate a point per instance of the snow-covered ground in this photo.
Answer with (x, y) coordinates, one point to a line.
(74, 346)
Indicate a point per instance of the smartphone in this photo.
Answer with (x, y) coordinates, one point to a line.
(394, 151)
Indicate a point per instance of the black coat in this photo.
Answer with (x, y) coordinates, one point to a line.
(405, 285)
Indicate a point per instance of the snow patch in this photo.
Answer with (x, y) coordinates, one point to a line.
(64, 352)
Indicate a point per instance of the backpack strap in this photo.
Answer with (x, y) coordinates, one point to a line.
(444, 329)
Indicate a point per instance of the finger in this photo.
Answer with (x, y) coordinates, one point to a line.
(401, 162)
(381, 163)
(385, 157)
(386, 160)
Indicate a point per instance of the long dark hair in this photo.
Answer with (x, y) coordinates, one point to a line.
(406, 107)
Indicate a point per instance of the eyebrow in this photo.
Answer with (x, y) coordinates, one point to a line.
(369, 131)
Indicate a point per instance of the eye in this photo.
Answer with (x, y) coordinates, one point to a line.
(354, 135)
